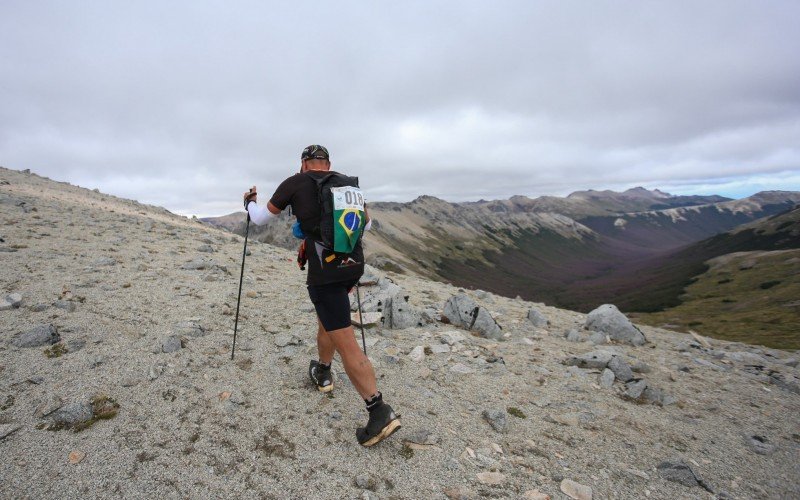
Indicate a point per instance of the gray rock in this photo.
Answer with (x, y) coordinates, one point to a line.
(537, 318)
(75, 345)
(104, 261)
(749, 358)
(497, 419)
(620, 368)
(38, 336)
(573, 335)
(66, 305)
(598, 338)
(430, 315)
(390, 359)
(365, 482)
(7, 430)
(129, 382)
(607, 378)
(206, 249)
(39, 307)
(595, 359)
(574, 371)
(759, 444)
(156, 370)
(687, 345)
(709, 364)
(399, 314)
(439, 348)
(171, 344)
(417, 353)
(657, 397)
(462, 311)
(486, 326)
(461, 368)
(576, 490)
(72, 414)
(11, 301)
(422, 436)
(791, 362)
(452, 337)
(679, 472)
(284, 339)
(635, 388)
(608, 320)
(201, 263)
(189, 328)
(640, 367)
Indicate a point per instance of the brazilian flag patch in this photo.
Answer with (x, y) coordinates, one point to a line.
(348, 218)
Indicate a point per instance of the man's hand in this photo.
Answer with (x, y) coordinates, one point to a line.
(249, 196)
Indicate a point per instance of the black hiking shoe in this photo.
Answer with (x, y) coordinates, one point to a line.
(320, 376)
(382, 423)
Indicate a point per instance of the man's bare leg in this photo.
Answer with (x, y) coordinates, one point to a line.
(356, 364)
(325, 346)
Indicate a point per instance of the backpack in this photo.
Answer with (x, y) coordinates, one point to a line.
(342, 215)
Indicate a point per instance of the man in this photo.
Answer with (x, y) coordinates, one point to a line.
(330, 279)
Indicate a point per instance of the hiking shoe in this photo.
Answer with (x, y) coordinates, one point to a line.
(382, 423)
(320, 376)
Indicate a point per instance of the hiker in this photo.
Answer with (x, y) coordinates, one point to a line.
(331, 277)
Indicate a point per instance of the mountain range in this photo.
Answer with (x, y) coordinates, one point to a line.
(639, 248)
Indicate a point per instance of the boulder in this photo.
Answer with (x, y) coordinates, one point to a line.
(608, 320)
(497, 419)
(452, 337)
(759, 444)
(463, 312)
(573, 335)
(598, 338)
(171, 344)
(72, 414)
(417, 353)
(635, 389)
(576, 490)
(66, 305)
(537, 318)
(189, 328)
(37, 336)
(679, 472)
(607, 378)
(399, 314)
(11, 301)
(620, 368)
(595, 359)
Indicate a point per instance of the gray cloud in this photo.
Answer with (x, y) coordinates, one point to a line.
(187, 104)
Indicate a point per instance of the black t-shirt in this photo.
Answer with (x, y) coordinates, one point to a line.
(300, 191)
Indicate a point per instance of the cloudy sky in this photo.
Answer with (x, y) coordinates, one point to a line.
(187, 104)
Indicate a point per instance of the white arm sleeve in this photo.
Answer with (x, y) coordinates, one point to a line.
(368, 225)
(258, 214)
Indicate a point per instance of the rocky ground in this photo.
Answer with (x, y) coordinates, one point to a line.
(117, 319)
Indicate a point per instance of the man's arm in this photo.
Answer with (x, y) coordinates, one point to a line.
(259, 214)
(368, 225)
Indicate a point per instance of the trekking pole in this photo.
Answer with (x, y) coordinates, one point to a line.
(241, 277)
(361, 319)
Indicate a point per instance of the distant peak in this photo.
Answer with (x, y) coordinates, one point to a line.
(425, 197)
(641, 192)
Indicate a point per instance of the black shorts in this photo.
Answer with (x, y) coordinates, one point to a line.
(332, 304)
